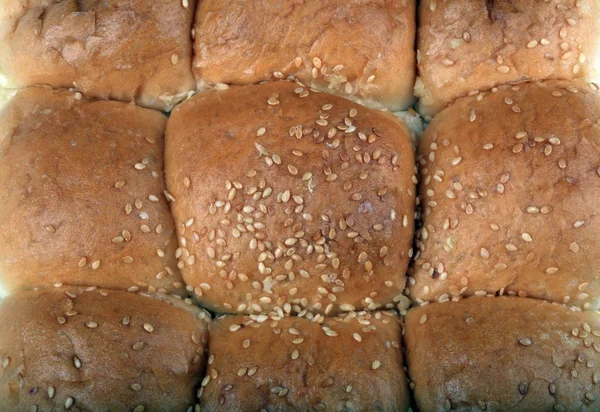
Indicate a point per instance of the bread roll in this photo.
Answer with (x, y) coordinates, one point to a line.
(82, 195)
(86, 349)
(510, 183)
(363, 50)
(132, 50)
(503, 354)
(470, 45)
(280, 364)
(290, 199)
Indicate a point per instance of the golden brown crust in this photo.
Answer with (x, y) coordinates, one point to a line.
(83, 200)
(504, 353)
(363, 50)
(99, 350)
(273, 213)
(279, 364)
(131, 50)
(510, 183)
(470, 45)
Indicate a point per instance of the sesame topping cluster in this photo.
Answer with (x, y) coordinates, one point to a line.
(319, 217)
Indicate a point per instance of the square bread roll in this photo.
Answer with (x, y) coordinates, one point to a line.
(291, 200)
(351, 363)
(470, 45)
(503, 354)
(82, 349)
(510, 182)
(362, 50)
(84, 195)
(131, 50)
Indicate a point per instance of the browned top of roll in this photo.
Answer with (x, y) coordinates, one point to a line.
(83, 195)
(504, 353)
(470, 45)
(291, 200)
(86, 349)
(261, 363)
(510, 189)
(132, 50)
(361, 49)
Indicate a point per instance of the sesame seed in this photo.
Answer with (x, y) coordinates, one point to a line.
(456, 161)
(91, 324)
(69, 402)
(234, 328)
(136, 387)
(503, 69)
(174, 58)
(273, 102)
(148, 328)
(525, 341)
(77, 362)
(96, 264)
(185, 3)
(526, 237)
(357, 337)
(472, 115)
(423, 319)
(578, 224)
(551, 270)
(375, 365)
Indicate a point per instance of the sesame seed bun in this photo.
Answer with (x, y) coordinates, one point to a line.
(83, 195)
(278, 364)
(131, 50)
(78, 349)
(362, 50)
(468, 45)
(510, 183)
(290, 200)
(503, 354)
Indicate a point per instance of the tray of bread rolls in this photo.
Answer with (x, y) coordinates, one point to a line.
(299, 205)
